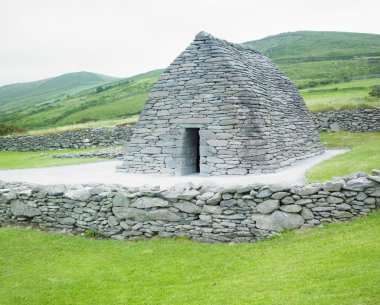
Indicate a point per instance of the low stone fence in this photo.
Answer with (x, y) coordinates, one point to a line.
(359, 120)
(205, 213)
(106, 153)
(84, 138)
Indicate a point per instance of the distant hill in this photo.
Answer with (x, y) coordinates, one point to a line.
(310, 59)
(319, 58)
(114, 100)
(18, 96)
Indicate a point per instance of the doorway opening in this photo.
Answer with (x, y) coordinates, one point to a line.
(192, 149)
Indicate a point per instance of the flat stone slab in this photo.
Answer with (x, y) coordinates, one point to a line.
(104, 173)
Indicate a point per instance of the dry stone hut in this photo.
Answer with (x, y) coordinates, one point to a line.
(221, 109)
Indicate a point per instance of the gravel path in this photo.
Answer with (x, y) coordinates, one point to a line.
(104, 173)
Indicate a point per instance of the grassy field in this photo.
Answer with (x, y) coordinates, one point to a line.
(314, 58)
(341, 96)
(337, 264)
(118, 101)
(18, 159)
(364, 155)
(19, 96)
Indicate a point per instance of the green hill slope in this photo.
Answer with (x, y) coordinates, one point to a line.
(319, 58)
(310, 59)
(116, 100)
(18, 96)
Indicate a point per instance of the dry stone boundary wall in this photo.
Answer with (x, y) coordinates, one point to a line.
(205, 213)
(359, 120)
(84, 138)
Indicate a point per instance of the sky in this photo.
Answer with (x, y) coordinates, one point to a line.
(46, 38)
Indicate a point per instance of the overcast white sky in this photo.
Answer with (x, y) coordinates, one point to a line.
(44, 38)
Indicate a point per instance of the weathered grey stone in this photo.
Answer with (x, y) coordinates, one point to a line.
(374, 178)
(307, 190)
(359, 184)
(129, 213)
(214, 200)
(278, 221)
(279, 195)
(268, 206)
(375, 172)
(205, 218)
(79, 195)
(264, 193)
(287, 221)
(205, 196)
(307, 214)
(334, 200)
(113, 221)
(188, 195)
(67, 221)
(292, 208)
(188, 207)
(343, 206)
(341, 214)
(212, 209)
(334, 126)
(9, 196)
(164, 215)
(370, 200)
(148, 202)
(303, 201)
(21, 209)
(121, 200)
(287, 200)
(333, 186)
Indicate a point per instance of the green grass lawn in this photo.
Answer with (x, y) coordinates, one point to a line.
(20, 159)
(337, 264)
(341, 96)
(364, 155)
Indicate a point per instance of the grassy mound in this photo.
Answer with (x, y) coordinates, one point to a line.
(337, 264)
(364, 155)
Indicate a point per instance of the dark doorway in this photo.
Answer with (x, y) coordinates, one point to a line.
(192, 149)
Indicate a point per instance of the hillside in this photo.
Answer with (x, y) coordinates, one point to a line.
(319, 58)
(117, 100)
(18, 96)
(311, 59)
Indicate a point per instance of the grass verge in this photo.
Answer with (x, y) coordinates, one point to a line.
(20, 159)
(341, 96)
(364, 155)
(337, 264)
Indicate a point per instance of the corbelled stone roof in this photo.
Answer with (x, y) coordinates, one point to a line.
(250, 116)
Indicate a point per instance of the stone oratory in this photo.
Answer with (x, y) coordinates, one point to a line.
(221, 109)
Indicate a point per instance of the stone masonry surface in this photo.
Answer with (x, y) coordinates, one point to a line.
(247, 115)
(84, 138)
(359, 120)
(207, 213)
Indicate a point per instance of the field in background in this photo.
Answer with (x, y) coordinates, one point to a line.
(20, 159)
(19, 96)
(342, 96)
(364, 155)
(116, 101)
(37, 268)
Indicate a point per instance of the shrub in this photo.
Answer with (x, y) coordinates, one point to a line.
(92, 233)
(375, 91)
(10, 129)
(99, 89)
